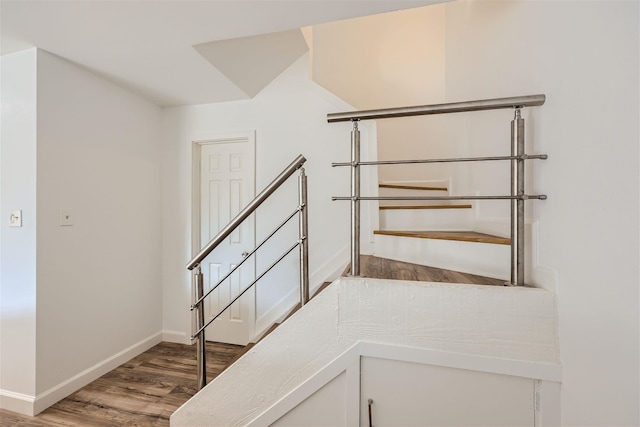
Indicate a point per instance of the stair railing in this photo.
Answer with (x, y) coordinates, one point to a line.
(301, 243)
(517, 159)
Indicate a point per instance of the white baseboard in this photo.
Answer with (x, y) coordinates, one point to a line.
(17, 402)
(275, 314)
(331, 269)
(65, 388)
(176, 337)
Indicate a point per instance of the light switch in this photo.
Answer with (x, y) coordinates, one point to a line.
(15, 219)
(66, 218)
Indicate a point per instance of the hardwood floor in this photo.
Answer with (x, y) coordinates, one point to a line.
(462, 236)
(382, 268)
(145, 391)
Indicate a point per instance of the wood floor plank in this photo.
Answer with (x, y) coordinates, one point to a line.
(144, 391)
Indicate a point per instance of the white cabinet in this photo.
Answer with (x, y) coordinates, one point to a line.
(410, 394)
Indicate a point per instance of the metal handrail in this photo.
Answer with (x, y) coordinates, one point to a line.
(248, 210)
(442, 198)
(517, 159)
(245, 257)
(450, 107)
(452, 160)
(301, 243)
(287, 252)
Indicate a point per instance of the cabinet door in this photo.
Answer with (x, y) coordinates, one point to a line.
(411, 394)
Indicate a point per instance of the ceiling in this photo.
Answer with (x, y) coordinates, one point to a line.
(149, 46)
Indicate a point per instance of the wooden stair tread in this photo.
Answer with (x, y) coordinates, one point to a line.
(462, 236)
(412, 187)
(389, 207)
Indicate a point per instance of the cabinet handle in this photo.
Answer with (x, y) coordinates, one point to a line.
(370, 402)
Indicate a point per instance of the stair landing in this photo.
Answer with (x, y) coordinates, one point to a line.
(383, 268)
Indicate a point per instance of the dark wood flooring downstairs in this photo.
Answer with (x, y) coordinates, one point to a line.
(145, 391)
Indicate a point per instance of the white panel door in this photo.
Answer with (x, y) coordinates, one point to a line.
(227, 185)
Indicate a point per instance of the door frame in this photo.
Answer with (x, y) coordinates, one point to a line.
(196, 154)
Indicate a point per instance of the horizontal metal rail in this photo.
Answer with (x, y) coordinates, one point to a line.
(246, 257)
(385, 198)
(248, 210)
(452, 160)
(451, 107)
(237, 297)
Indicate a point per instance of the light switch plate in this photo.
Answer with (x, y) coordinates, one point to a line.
(15, 219)
(66, 218)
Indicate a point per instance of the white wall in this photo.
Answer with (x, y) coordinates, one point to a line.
(390, 60)
(99, 280)
(18, 260)
(289, 118)
(76, 300)
(584, 57)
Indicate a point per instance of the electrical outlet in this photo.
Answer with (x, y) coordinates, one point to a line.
(15, 219)
(66, 218)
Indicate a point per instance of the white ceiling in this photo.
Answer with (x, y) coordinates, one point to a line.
(148, 46)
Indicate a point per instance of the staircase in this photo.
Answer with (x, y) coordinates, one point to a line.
(439, 233)
(392, 302)
(404, 215)
(403, 222)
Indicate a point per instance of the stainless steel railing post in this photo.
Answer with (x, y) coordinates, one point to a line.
(201, 359)
(304, 237)
(355, 199)
(517, 205)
